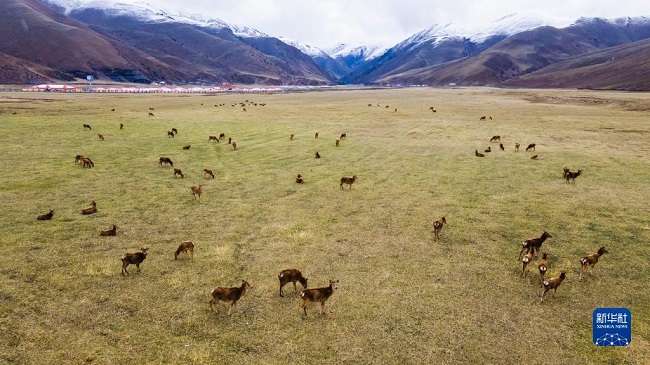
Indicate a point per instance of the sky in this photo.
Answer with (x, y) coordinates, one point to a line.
(324, 23)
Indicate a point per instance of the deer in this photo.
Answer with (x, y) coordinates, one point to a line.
(87, 126)
(348, 180)
(165, 160)
(151, 115)
(175, 131)
(121, 126)
(46, 216)
(437, 226)
(495, 139)
(291, 276)
(316, 135)
(135, 258)
(535, 243)
(234, 145)
(488, 149)
(187, 147)
(530, 147)
(229, 140)
(213, 138)
(543, 265)
(343, 136)
(87, 162)
(318, 295)
(100, 136)
(299, 179)
(231, 295)
(572, 176)
(317, 155)
(170, 134)
(517, 145)
(222, 135)
(566, 169)
(501, 147)
(208, 172)
(338, 142)
(527, 259)
(552, 283)
(291, 137)
(187, 247)
(591, 260)
(91, 209)
(109, 232)
(178, 172)
(197, 191)
(534, 157)
(482, 118)
(478, 154)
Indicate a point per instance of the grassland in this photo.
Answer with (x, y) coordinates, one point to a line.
(403, 297)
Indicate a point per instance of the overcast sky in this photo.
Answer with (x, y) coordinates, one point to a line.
(323, 23)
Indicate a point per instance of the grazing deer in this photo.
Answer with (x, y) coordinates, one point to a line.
(100, 136)
(175, 131)
(109, 232)
(87, 162)
(197, 191)
(433, 110)
(517, 145)
(135, 258)
(591, 260)
(187, 247)
(179, 173)
(318, 295)
(317, 155)
(501, 147)
(46, 216)
(91, 209)
(478, 154)
(527, 259)
(78, 159)
(488, 149)
(231, 295)
(87, 126)
(543, 265)
(316, 135)
(170, 134)
(208, 172)
(495, 139)
(343, 136)
(338, 142)
(165, 160)
(299, 179)
(437, 226)
(234, 145)
(152, 109)
(291, 276)
(552, 283)
(482, 118)
(535, 243)
(572, 176)
(348, 180)
(530, 147)
(151, 115)
(187, 147)
(213, 138)
(222, 135)
(534, 157)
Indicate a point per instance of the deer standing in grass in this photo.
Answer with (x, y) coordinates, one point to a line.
(231, 295)
(187, 247)
(552, 283)
(318, 295)
(437, 227)
(543, 266)
(527, 259)
(591, 260)
(348, 180)
(291, 276)
(535, 243)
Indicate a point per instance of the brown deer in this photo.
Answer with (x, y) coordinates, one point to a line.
(348, 180)
(291, 276)
(121, 125)
(222, 135)
(527, 259)
(591, 260)
(291, 137)
(135, 258)
(87, 162)
(109, 232)
(78, 159)
(187, 247)
(535, 243)
(187, 147)
(299, 179)
(100, 136)
(46, 216)
(175, 131)
(530, 147)
(317, 155)
(91, 209)
(517, 145)
(478, 154)
(197, 191)
(534, 157)
(482, 118)
(572, 176)
(316, 134)
(165, 160)
(170, 134)
(488, 149)
(338, 142)
(151, 115)
(179, 173)
(495, 139)
(501, 147)
(234, 145)
(318, 295)
(552, 283)
(343, 136)
(208, 172)
(543, 265)
(87, 126)
(437, 226)
(229, 140)
(213, 138)
(231, 295)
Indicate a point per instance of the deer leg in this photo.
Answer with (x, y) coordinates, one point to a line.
(281, 285)
(294, 287)
(138, 266)
(232, 304)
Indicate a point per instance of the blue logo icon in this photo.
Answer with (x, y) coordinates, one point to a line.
(612, 326)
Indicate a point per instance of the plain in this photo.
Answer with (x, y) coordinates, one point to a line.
(402, 298)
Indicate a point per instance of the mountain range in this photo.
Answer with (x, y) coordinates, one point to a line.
(65, 40)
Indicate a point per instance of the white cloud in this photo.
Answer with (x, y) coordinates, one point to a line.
(323, 23)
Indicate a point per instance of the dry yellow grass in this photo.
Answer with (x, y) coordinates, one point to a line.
(402, 297)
